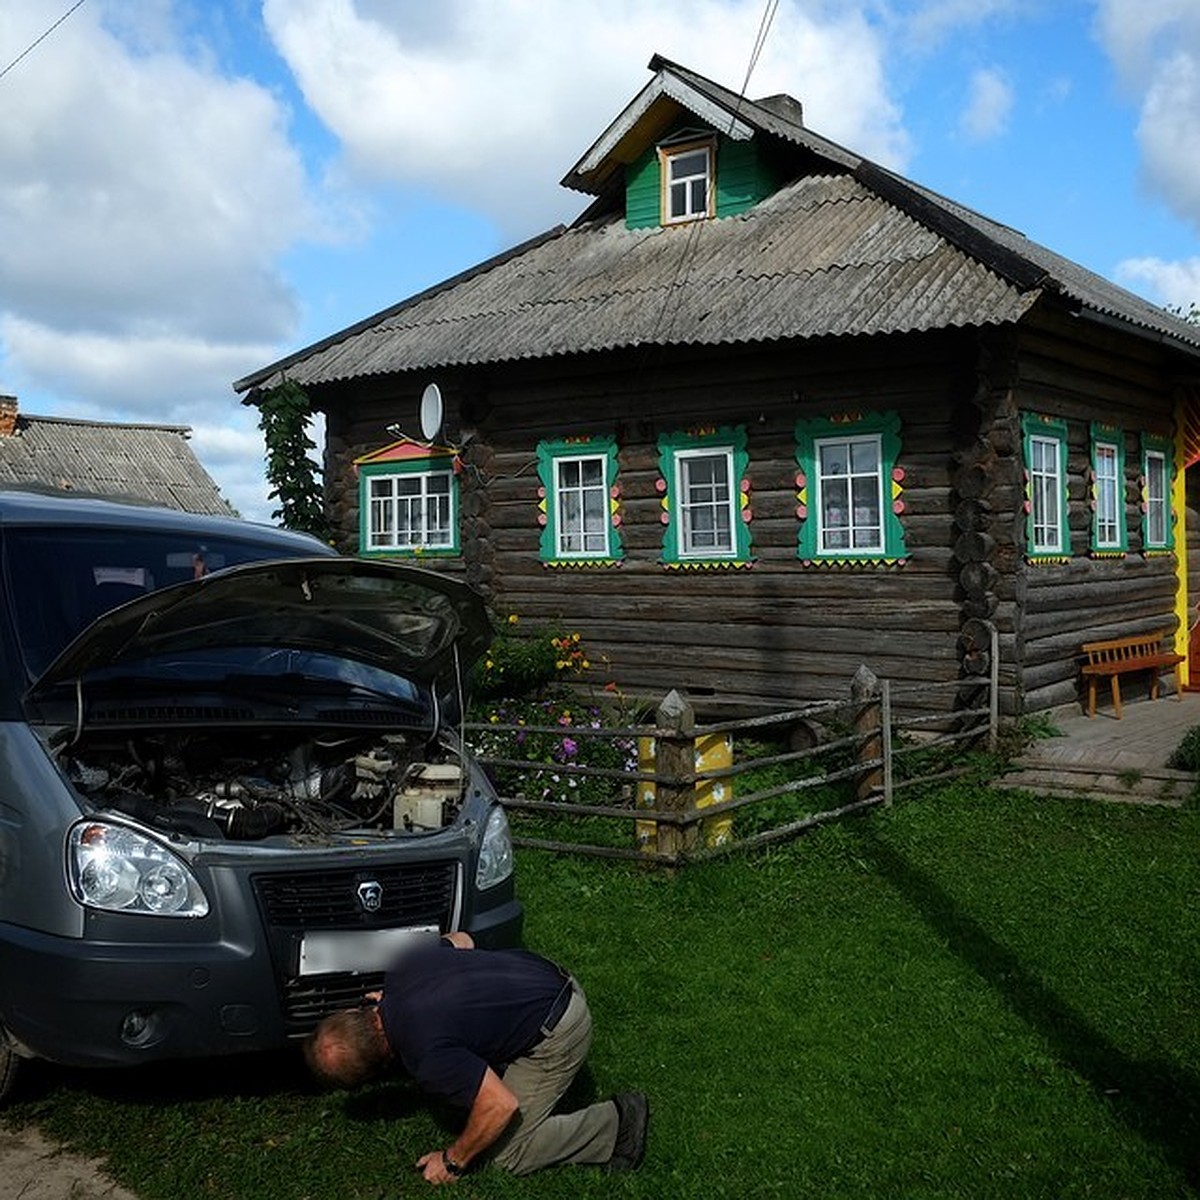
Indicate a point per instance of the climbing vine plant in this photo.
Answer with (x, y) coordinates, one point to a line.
(284, 413)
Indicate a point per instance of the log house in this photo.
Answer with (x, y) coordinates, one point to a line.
(767, 411)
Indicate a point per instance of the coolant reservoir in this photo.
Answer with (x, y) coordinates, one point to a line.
(421, 803)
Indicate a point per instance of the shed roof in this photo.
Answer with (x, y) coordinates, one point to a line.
(152, 463)
(846, 248)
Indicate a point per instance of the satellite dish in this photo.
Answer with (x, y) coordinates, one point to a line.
(431, 412)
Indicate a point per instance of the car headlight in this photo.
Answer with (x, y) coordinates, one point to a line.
(495, 851)
(114, 868)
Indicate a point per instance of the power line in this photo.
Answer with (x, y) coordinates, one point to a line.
(37, 41)
(764, 27)
(669, 308)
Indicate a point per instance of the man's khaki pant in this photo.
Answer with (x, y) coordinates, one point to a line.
(538, 1079)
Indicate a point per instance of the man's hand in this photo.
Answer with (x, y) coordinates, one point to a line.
(490, 1114)
(433, 1167)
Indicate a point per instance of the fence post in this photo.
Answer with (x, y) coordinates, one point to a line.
(675, 764)
(864, 691)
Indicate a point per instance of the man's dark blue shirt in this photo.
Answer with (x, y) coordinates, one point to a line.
(449, 1014)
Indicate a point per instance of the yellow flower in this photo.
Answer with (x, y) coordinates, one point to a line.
(513, 618)
(585, 664)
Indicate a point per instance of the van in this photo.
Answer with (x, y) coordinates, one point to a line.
(232, 781)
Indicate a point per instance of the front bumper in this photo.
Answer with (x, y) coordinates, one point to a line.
(108, 1000)
(88, 1003)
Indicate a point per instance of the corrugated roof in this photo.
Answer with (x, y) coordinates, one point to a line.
(848, 248)
(822, 256)
(143, 462)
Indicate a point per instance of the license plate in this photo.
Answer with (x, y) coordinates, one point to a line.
(358, 949)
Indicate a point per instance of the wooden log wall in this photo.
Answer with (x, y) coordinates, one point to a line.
(779, 632)
(775, 633)
(1081, 372)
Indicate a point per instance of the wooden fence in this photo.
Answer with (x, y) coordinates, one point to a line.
(677, 804)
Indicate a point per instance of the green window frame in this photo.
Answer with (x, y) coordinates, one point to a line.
(1110, 534)
(1158, 473)
(705, 498)
(849, 488)
(1047, 509)
(409, 508)
(579, 502)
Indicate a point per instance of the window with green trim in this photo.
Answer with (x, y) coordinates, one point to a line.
(1047, 536)
(579, 509)
(409, 507)
(850, 486)
(1108, 490)
(1157, 522)
(705, 497)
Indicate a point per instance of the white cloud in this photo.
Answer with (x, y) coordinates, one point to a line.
(1172, 284)
(1169, 134)
(137, 186)
(233, 454)
(989, 103)
(929, 25)
(146, 201)
(1155, 46)
(490, 102)
(168, 377)
(1138, 34)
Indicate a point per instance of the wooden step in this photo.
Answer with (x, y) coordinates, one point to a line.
(1130, 785)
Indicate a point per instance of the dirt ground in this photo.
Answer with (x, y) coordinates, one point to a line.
(33, 1168)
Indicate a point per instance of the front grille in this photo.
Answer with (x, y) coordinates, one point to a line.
(306, 1001)
(297, 902)
(417, 894)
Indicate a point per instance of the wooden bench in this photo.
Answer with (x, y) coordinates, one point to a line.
(1123, 656)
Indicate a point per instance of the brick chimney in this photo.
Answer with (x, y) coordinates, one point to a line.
(8, 416)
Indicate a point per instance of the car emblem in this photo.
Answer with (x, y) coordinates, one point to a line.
(370, 895)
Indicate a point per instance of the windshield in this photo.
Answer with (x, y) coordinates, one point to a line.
(59, 581)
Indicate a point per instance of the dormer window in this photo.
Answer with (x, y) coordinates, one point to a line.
(687, 182)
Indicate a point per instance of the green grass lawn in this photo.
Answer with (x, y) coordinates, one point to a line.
(973, 994)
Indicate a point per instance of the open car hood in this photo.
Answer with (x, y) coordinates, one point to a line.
(399, 618)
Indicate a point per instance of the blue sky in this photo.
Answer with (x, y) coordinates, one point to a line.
(194, 188)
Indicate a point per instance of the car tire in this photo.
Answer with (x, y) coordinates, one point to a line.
(10, 1061)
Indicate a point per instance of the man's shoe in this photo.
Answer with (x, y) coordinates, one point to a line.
(633, 1115)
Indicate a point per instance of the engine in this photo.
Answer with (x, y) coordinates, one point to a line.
(246, 787)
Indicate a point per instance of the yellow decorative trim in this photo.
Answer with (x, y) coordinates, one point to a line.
(1047, 560)
(709, 565)
(851, 563)
(582, 563)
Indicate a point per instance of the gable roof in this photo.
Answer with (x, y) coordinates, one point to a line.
(151, 463)
(846, 248)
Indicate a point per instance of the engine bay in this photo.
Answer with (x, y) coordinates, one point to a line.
(245, 786)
